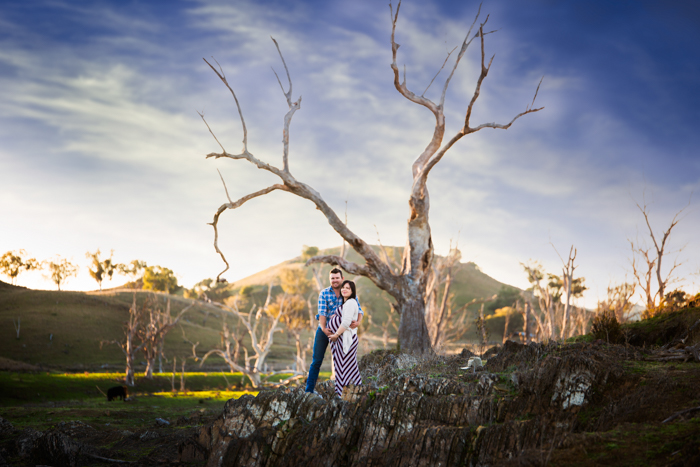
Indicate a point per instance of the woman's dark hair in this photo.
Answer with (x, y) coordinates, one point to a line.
(352, 287)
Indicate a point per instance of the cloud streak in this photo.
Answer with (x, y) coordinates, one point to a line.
(102, 146)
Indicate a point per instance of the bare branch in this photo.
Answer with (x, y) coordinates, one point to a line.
(225, 189)
(287, 94)
(438, 72)
(536, 91)
(465, 46)
(293, 107)
(234, 205)
(222, 77)
(389, 261)
(401, 87)
(201, 114)
(467, 129)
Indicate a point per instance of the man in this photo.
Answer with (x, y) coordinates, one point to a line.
(328, 301)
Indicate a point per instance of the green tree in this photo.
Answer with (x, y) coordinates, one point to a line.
(13, 263)
(60, 269)
(101, 269)
(159, 279)
(132, 270)
(507, 296)
(295, 282)
(208, 290)
(308, 252)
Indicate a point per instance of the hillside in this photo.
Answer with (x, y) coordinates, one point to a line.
(64, 330)
(468, 283)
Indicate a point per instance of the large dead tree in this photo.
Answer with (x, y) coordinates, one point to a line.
(408, 284)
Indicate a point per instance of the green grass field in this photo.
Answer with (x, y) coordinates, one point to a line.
(40, 400)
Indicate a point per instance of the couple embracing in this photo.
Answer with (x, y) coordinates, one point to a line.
(339, 315)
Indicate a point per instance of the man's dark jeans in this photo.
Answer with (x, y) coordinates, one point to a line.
(320, 345)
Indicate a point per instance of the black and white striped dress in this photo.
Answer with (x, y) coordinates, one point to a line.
(346, 369)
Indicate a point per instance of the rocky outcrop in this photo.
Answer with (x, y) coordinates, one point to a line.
(412, 412)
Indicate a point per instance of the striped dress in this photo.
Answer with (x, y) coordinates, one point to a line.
(346, 369)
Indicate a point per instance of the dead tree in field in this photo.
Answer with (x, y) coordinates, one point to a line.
(408, 284)
(153, 332)
(646, 262)
(618, 301)
(293, 309)
(128, 346)
(568, 280)
(261, 327)
(436, 307)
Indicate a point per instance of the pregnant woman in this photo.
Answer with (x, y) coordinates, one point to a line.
(344, 340)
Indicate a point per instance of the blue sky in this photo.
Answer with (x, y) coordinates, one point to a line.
(101, 145)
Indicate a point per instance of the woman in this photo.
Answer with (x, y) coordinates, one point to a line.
(344, 340)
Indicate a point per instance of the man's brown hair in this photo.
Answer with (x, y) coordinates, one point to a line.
(336, 271)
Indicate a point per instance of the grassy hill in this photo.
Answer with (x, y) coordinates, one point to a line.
(66, 329)
(468, 283)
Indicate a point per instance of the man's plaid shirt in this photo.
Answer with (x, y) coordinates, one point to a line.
(328, 302)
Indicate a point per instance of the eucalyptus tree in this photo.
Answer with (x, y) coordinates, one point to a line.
(12, 263)
(407, 284)
(60, 269)
(101, 269)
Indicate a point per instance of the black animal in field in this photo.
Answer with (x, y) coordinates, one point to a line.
(116, 392)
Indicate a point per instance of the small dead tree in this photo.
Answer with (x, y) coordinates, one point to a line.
(618, 301)
(128, 345)
(17, 325)
(153, 332)
(389, 323)
(438, 305)
(408, 285)
(551, 320)
(293, 310)
(647, 261)
(568, 279)
(260, 327)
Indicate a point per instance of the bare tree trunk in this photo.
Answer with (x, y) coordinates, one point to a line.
(567, 277)
(505, 329)
(484, 340)
(17, 326)
(160, 356)
(182, 375)
(413, 333)
(527, 322)
(172, 378)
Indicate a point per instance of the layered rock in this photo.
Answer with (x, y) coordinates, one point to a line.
(408, 416)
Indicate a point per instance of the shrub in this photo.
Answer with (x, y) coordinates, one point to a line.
(607, 327)
(673, 301)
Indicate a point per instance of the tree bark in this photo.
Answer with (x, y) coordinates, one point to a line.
(413, 333)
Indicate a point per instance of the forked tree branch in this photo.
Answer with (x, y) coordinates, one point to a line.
(375, 270)
(233, 205)
(467, 129)
(433, 153)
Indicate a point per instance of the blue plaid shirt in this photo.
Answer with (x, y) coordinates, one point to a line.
(328, 303)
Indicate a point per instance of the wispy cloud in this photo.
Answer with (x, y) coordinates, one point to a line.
(101, 130)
